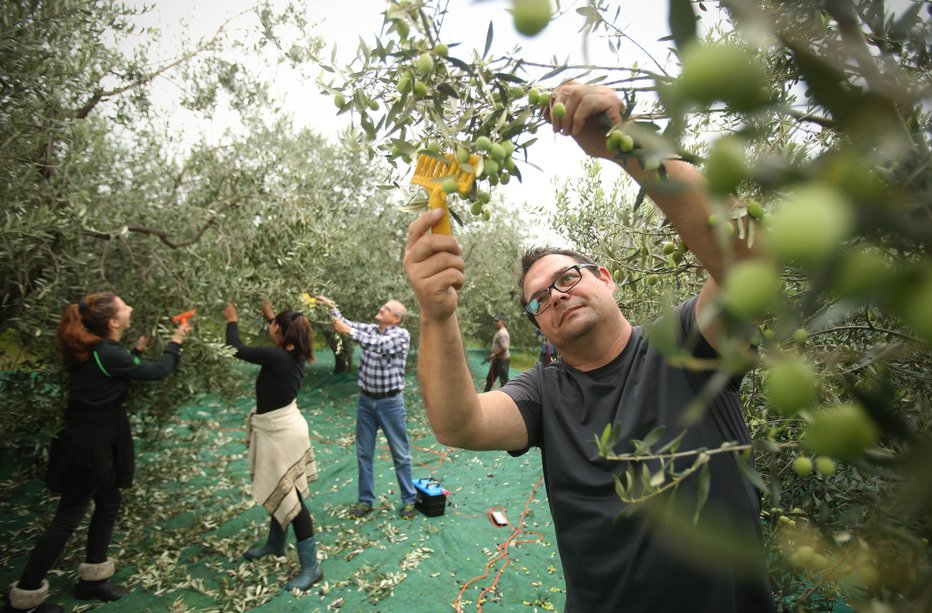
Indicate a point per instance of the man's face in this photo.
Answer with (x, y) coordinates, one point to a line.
(388, 314)
(573, 314)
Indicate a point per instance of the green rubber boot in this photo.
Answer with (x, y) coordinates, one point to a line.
(275, 544)
(310, 567)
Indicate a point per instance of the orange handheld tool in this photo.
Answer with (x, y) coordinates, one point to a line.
(182, 318)
(430, 173)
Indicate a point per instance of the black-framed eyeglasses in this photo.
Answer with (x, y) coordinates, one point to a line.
(565, 281)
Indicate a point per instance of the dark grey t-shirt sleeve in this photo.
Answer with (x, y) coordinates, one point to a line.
(692, 339)
(525, 391)
(689, 328)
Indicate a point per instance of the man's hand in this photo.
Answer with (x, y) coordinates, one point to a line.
(327, 302)
(434, 267)
(584, 104)
(341, 326)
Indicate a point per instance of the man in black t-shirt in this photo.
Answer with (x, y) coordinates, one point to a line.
(663, 556)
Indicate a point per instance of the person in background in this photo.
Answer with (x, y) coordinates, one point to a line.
(381, 402)
(281, 459)
(92, 458)
(698, 551)
(499, 357)
(548, 353)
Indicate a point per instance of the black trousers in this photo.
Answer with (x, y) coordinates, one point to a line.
(303, 525)
(497, 369)
(70, 512)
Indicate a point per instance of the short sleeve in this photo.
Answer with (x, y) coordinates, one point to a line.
(691, 336)
(525, 391)
(693, 340)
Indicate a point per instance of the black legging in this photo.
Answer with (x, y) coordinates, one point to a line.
(70, 512)
(303, 525)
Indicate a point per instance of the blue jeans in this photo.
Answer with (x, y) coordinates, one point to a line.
(389, 414)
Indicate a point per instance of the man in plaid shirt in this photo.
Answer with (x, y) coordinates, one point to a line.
(381, 404)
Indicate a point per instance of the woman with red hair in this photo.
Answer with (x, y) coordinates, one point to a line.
(92, 458)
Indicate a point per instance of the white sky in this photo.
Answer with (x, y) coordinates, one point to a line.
(343, 22)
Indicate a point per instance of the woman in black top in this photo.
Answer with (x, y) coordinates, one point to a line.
(281, 460)
(92, 458)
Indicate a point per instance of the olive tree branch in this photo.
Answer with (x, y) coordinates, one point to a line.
(162, 234)
(907, 337)
(672, 484)
(725, 448)
(99, 95)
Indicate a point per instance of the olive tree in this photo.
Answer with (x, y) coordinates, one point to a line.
(100, 194)
(827, 149)
(811, 122)
(93, 200)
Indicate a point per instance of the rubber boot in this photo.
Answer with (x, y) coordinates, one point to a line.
(94, 582)
(310, 567)
(30, 600)
(275, 544)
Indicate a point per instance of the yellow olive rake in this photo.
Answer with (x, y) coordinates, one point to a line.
(308, 300)
(431, 174)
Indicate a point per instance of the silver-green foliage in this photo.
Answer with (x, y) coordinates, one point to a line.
(846, 107)
(818, 98)
(99, 194)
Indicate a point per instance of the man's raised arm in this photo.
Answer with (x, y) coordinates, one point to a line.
(682, 195)
(458, 415)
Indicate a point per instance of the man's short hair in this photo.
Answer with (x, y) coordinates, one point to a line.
(401, 312)
(530, 258)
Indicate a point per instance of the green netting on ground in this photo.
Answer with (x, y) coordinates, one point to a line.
(180, 537)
